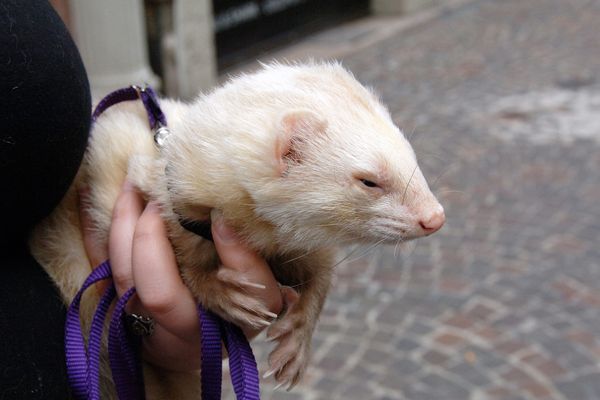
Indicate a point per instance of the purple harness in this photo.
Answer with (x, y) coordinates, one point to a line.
(83, 365)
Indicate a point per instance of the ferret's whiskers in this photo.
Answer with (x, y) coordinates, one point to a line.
(450, 191)
(299, 257)
(437, 156)
(412, 132)
(413, 245)
(397, 246)
(347, 256)
(408, 183)
(450, 168)
(362, 254)
(350, 253)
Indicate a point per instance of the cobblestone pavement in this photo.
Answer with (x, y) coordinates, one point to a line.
(502, 103)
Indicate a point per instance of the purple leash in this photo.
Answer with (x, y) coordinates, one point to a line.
(81, 380)
(83, 364)
(124, 354)
(149, 99)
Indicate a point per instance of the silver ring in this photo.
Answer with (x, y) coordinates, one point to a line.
(140, 325)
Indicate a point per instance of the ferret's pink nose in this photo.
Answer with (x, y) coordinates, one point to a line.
(433, 222)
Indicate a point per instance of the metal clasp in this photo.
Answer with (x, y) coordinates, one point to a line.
(161, 133)
(139, 90)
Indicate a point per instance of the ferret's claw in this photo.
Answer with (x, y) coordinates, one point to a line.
(252, 285)
(291, 355)
(280, 329)
(238, 302)
(263, 322)
(292, 371)
(269, 373)
(279, 385)
(232, 278)
(271, 314)
(246, 315)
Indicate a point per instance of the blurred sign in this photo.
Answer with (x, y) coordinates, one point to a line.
(245, 28)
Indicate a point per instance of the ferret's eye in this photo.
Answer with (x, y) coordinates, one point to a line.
(369, 183)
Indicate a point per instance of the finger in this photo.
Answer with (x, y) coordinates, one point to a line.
(166, 349)
(127, 211)
(237, 257)
(95, 251)
(157, 280)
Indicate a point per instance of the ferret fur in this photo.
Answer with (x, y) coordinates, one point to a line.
(288, 155)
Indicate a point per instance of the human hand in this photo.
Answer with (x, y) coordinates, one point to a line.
(141, 256)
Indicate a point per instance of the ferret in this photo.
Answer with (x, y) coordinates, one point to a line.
(299, 159)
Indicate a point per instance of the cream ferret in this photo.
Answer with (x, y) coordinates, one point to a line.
(298, 158)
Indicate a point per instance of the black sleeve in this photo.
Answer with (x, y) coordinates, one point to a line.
(44, 113)
(44, 122)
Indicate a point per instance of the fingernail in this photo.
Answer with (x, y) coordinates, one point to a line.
(223, 231)
(84, 193)
(128, 186)
(83, 190)
(153, 206)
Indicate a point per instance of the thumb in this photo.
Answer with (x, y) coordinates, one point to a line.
(246, 265)
(232, 251)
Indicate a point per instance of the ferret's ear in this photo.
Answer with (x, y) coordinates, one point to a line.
(295, 130)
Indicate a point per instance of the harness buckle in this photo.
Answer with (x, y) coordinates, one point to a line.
(139, 90)
(161, 133)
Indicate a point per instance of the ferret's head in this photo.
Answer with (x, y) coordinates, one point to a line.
(343, 171)
(301, 157)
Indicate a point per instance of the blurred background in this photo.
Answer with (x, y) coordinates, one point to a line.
(501, 100)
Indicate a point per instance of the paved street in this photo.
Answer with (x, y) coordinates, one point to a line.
(501, 100)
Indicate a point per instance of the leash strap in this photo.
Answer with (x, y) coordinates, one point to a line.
(124, 354)
(83, 379)
(95, 342)
(156, 117)
(83, 365)
(242, 365)
(212, 359)
(244, 373)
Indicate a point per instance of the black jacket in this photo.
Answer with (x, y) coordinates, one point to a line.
(44, 123)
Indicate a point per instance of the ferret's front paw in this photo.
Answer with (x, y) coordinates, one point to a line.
(292, 333)
(237, 303)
